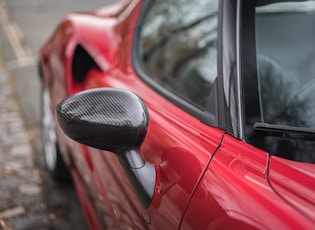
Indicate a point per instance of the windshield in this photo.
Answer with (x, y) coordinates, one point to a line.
(285, 53)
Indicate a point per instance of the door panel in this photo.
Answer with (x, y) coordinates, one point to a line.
(180, 166)
(178, 144)
(182, 153)
(294, 181)
(234, 192)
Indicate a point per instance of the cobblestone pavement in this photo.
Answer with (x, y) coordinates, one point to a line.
(21, 201)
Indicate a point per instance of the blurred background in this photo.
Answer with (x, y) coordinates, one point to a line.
(31, 201)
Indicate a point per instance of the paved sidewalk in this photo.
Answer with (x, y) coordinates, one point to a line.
(21, 199)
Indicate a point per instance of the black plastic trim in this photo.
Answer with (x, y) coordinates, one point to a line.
(81, 64)
(219, 83)
(228, 81)
(248, 63)
(142, 178)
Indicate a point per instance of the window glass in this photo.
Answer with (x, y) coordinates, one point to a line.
(284, 124)
(285, 35)
(178, 47)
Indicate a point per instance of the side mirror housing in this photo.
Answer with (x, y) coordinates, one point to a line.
(107, 119)
(115, 120)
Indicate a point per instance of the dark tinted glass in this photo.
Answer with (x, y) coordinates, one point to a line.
(178, 47)
(285, 35)
(285, 52)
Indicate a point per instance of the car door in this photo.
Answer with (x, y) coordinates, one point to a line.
(248, 187)
(174, 69)
(232, 192)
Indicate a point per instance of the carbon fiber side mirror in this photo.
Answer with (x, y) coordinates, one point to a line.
(115, 120)
(107, 119)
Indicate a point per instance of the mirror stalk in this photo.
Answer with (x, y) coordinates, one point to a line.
(141, 174)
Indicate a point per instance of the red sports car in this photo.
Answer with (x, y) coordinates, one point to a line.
(185, 114)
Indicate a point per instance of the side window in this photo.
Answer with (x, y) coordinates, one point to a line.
(285, 36)
(284, 89)
(178, 47)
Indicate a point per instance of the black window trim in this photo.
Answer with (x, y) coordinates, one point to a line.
(209, 115)
(228, 72)
(248, 60)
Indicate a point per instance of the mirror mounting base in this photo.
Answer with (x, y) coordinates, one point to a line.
(141, 174)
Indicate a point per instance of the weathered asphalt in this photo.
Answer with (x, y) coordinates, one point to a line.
(22, 205)
(29, 199)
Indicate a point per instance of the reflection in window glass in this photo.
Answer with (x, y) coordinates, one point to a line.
(178, 47)
(285, 36)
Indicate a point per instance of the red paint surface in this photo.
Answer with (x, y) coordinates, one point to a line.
(198, 186)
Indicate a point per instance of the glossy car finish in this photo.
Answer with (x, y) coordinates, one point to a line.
(207, 175)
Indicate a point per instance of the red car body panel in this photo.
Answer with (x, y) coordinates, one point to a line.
(297, 187)
(185, 144)
(240, 170)
(205, 178)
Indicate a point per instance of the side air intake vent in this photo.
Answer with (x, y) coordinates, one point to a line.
(82, 63)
